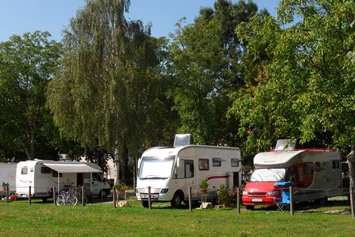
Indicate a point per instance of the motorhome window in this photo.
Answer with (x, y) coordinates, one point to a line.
(55, 174)
(336, 165)
(24, 170)
(96, 177)
(268, 175)
(235, 162)
(153, 167)
(203, 164)
(46, 170)
(308, 168)
(216, 162)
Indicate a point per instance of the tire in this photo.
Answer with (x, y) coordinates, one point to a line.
(80, 200)
(103, 193)
(322, 201)
(145, 204)
(177, 199)
(249, 207)
(71, 200)
(60, 200)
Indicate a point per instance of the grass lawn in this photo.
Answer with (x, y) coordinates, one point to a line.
(102, 219)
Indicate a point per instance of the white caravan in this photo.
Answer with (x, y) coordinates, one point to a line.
(8, 176)
(42, 175)
(315, 174)
(169, 172)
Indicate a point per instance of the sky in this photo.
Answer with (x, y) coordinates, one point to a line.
(21, 16)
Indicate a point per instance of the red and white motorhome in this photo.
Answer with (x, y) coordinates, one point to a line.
(315, 173)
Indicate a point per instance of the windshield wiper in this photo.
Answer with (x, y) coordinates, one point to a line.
(153, 177)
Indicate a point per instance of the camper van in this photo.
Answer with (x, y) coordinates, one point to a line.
(43, 175)
(8, 176)
(315, 175)
(169, 172)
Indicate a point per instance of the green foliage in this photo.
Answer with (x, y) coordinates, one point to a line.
(27, 64)
(120, 186)
(203, 184)
(303, 89)
(205, 64)
(110, 76)
(224, 195)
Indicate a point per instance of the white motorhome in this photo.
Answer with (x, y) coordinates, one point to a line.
(8, 176)
(43, 175)
(169, 172)
(315, 174)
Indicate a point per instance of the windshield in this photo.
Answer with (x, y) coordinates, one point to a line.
(156, 168)
(268, 175)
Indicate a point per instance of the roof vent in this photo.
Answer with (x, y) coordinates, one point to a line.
(182, 140)
(285, 145)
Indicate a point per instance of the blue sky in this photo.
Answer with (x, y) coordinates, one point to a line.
(21, 16)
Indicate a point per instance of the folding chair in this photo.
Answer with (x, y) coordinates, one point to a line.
(283, 203)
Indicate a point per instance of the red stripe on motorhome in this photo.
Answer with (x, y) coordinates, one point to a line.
(217, 177)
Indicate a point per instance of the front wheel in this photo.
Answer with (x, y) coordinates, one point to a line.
(146, 204)
(321, 201)
(177, 199)
(103, 193)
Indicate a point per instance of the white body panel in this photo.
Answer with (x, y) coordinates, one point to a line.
(8, 176)
(186, 167)
(42, 179)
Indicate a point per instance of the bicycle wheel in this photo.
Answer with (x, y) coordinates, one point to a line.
(71, 200)
(80, 199)
(60, 200)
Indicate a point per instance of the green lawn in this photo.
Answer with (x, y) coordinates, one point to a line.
(44, 219)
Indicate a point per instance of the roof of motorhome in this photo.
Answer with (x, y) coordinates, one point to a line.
(175, 150)
(279, 159)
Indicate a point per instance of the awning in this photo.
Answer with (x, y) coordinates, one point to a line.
(72, 168)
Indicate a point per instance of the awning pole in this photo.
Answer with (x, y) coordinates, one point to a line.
(58, 182)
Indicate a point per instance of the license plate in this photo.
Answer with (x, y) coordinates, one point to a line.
(152, 196)
(256, 200)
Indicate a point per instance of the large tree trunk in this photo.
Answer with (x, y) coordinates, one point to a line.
(351, 164)
(117, 164)
(125, 168)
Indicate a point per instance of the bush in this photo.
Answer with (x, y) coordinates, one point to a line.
(224, 195)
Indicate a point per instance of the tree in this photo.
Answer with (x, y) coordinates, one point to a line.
(27, 64)
(206, 66)
(109, 76)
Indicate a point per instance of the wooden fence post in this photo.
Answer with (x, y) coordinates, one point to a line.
(114, 197)
(190, 201)
(291, 200)
(29, 195)
(83, 196)
(7, 193)
(351, 192)
(54, 196)
(238, 200)
(149, 198)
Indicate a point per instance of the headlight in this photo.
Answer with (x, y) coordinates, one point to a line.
(273, 193)
(164, 190)
(245, 193)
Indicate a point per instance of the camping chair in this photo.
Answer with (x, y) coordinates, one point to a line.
(283, 203)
